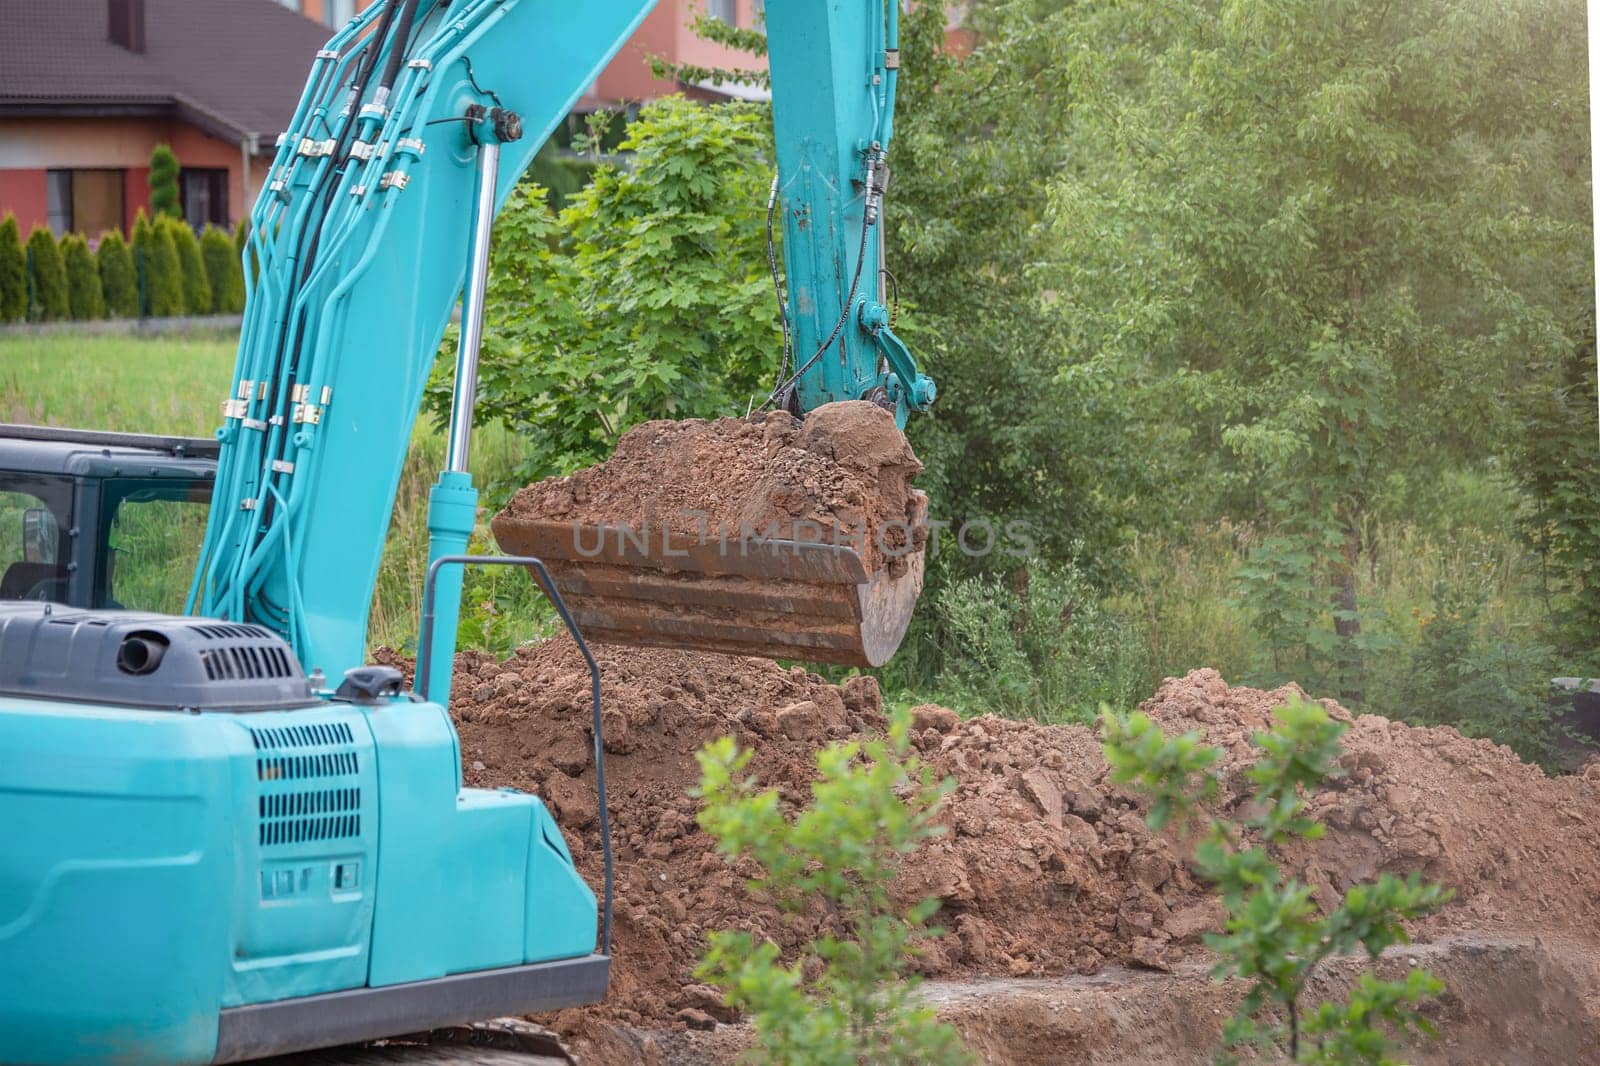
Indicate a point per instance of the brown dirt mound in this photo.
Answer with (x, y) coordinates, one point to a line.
(843, 472)
(1046, 870)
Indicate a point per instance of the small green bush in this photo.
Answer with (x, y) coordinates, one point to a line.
(847, 1000)
(164, 182)
(84, 297)
(155, 256)
(1482, 677)
(1276, 935)
(223, 271)
(142, 246)
(119, 283)
(196, 285)
(241, 243)
(13, 272)
(47, 277)
(1038, 646)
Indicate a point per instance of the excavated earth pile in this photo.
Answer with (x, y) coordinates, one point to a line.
(1047, 869)
(763, 535)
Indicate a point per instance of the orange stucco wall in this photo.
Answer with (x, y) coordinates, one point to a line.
(666, 33)
(29, 147)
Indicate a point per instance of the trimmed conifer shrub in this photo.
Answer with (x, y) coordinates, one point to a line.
(144, 240)
(47, 277)
(223, 270)
(118, 282)
(13, 272)
(84, 298)
(164, 182)
(196, 286)
(162, 271)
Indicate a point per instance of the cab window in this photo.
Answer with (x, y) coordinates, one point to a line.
(35, 515)
(151, 530)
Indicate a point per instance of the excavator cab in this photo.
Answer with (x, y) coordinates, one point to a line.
(101, 520)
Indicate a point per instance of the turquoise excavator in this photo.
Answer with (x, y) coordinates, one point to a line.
(226, 836)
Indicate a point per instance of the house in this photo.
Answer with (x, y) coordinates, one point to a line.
(89, 87)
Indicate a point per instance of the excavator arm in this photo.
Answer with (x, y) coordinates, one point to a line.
(415, 124)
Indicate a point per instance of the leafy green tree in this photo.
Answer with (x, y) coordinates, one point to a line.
(646, 297)
(84, 297)
(192, 268)
(1037, 423)
(223, 271)
(47, 277)
(871, 804)
(1321, 217)
(1275, 936)
(119, 282)
(164, 182)
(13, 272)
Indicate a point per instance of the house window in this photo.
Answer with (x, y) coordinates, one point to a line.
(338, 12)
(726, 10)
(205, 196)
(83, 201)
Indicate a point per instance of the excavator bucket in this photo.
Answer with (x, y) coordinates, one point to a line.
(776, 598)
(769, 535)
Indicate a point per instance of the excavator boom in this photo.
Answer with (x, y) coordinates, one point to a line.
(416, 122)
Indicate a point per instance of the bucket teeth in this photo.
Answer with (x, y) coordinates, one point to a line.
(780, 599)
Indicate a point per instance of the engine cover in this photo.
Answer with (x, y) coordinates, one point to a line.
(146, 661)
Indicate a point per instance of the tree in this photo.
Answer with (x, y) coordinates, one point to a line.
(847, 1001)
(119, 282)
(84, 297)
(1330, 214)
(223, 271)
(1275, 936)
(13, 272)
(47, 277)
(164, 182)
(192, 269)
(646, 297)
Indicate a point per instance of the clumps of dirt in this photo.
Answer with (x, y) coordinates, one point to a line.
(843, 475)
(1046, 869)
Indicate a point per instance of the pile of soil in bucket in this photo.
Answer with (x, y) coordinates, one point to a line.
(1046, 868)
(841, 476)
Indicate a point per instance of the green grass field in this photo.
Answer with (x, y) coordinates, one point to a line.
(176, 385)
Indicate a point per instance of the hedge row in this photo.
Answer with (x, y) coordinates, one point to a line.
(164, 271)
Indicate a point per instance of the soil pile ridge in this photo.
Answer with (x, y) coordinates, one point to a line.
(1046, 869)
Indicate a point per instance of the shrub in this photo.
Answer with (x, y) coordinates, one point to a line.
(1469, 672)
(1275, 935)
(84, 297)
(13, 272)
(119, 282)
(160, 273)
(847, 999)
(222, 270)
(164, 182)
(196, 286)
(142, 243)
(47, 277)
(241, 244)
(1038, 646)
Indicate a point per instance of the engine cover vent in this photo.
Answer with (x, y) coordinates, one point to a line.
(148, 661)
